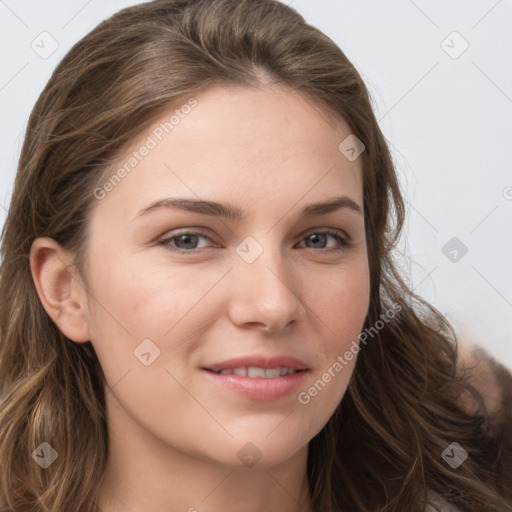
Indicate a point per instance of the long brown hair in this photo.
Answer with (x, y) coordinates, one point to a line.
(381, 450)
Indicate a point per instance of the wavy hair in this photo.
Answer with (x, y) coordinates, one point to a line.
(381, 449)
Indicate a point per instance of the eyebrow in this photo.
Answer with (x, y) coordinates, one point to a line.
(229, 211)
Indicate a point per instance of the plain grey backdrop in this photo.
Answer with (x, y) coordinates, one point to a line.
(440, 77)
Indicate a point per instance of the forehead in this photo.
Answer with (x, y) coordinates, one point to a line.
(236, 142)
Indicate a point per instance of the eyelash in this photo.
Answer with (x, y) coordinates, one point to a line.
(344, 243)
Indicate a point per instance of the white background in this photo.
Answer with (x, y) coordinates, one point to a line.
(448, 121)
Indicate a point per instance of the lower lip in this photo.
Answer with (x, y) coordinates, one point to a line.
(260, 388)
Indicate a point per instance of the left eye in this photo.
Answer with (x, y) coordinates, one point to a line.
(188, 239)
(186, 242)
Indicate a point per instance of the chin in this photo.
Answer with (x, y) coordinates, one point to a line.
(261, 452)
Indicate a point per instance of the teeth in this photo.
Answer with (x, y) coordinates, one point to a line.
(252, 371)
(258, 373)
(273, 372)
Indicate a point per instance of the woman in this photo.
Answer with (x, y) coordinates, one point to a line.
(277, 363)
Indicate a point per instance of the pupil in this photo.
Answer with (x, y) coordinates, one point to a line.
(187, 239)
(315, 237)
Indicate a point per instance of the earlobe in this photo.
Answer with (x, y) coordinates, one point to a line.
(59, 288)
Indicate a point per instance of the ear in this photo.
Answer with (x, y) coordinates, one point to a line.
(60, 288)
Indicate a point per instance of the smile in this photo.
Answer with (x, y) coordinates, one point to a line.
(256, 383)
(258, 373)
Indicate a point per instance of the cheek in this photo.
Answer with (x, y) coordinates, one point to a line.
(142, 308)
(341, 301)
(143, 298)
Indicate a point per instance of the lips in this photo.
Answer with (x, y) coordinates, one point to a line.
(258, 373)
(259, 377)
(261, 362)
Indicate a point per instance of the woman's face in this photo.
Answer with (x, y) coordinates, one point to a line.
(176, 292)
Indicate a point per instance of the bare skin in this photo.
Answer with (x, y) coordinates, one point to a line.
(175, 435)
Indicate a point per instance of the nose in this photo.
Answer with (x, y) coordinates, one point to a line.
(262, 293)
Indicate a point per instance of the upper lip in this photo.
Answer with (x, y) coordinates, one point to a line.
(259, 361)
